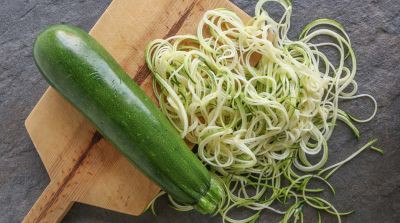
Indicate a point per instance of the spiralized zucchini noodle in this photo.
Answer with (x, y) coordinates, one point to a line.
(260, 107)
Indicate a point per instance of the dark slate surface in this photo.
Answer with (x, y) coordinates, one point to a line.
(370, 184)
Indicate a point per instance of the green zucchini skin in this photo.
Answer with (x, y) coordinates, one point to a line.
(81, 70)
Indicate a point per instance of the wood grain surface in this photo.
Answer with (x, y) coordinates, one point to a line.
(84, 167)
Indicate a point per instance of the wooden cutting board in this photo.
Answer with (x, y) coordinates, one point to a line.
(83, 167)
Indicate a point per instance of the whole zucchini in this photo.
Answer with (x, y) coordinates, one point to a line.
(81, 70)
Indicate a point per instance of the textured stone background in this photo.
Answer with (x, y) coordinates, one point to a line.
(370, 184)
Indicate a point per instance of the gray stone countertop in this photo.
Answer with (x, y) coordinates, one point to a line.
(370, 184)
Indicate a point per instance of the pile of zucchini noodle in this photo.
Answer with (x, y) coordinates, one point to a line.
(260, 107)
